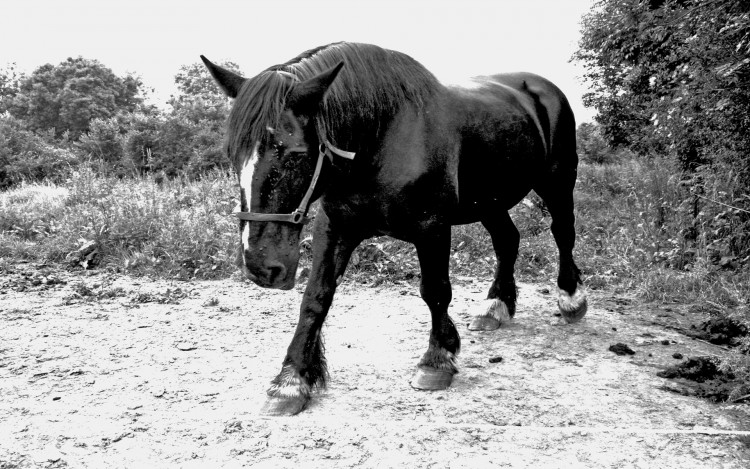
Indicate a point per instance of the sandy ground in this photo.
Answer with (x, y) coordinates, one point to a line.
(99, 370)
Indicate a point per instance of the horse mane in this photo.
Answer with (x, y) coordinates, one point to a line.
(368, 92)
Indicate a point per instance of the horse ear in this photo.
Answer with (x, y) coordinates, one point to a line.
(309, 94)
(229, 82)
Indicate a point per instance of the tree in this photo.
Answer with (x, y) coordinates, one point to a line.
(671, 77)
(592, 148)
(31, 156)
(198, 97)
(68, 96)
(199, 112)
(9, 82)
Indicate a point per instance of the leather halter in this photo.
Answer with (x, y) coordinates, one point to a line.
(299, 215)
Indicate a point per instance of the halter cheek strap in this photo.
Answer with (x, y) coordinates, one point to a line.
(299, 216)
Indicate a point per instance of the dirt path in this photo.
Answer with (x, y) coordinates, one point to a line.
(108, 371)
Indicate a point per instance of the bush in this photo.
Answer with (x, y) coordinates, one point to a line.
(175, 228)
(169, 145)
(28, 156)
(592, 147)
(103, 142)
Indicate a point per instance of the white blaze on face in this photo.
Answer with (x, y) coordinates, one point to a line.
(246, 181)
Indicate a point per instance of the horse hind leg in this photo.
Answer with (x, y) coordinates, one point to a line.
(558, 196)
(500, 305)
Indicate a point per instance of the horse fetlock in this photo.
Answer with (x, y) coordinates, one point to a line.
(497, 313)
(439, 359)
(573, 307)
(289, 384)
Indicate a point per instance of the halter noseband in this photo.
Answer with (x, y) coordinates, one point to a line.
(299, 215)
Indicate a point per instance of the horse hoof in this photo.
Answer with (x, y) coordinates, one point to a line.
(573, 308)
(284, 406)
(575, 315)
(430, 379)
(484, 323)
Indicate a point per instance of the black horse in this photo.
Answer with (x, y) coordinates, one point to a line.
(388, 150)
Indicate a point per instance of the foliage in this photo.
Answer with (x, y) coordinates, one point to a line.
(199, 98)
(195, 80)
(103, 141)
(174, 228)
(671, 83)
(9, 84)
(592, 146)
(672, 78)
(27, 156)
(66, 97)
(187, 140)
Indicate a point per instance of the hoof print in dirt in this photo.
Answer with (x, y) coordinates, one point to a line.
(284, 406)
(621, 349)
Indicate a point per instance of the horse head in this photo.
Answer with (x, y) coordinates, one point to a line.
(273, 143)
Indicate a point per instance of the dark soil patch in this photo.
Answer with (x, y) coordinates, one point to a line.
(721, 331)
(710, 382)
(698, 369)
(621, 349)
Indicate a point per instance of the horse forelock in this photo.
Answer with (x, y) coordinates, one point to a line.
(365, 96)
(258, 105)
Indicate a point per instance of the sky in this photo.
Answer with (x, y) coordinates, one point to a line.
(455, 39)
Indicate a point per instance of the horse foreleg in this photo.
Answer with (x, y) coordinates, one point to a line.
(438, 365)
(304, 366)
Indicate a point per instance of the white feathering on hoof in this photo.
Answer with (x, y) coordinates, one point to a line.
(290, 385)
(574, 307)
(498, 310)
(450, 364)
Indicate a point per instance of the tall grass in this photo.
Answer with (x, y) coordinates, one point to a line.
(633, 224)
(171, 228)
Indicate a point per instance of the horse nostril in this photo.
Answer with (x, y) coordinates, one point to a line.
(276, 271)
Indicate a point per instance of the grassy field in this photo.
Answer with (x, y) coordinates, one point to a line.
(637, 232)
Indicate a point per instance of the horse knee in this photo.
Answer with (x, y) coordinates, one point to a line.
(437, 294)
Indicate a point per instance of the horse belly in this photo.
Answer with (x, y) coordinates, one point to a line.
(489, 183)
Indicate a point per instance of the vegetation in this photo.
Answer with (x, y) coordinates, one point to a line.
(670, 80)
(79, 112)
(662, 200)
(66, 97)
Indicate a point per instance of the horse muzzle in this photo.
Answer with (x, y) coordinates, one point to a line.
(270, 273)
